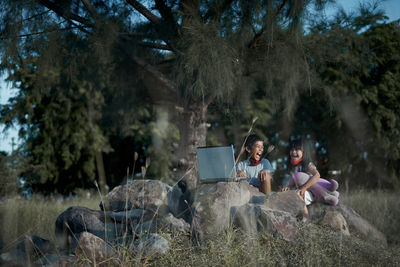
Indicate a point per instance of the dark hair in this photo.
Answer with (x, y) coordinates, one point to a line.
(251, 139)
(296, 144)
(305, 146)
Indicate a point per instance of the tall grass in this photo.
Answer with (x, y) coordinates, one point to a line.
(315, 245)
(37, 216)
(381, 208)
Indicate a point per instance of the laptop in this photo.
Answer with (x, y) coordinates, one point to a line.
(217, 164)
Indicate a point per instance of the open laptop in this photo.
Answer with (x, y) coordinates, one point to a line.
(217, 164)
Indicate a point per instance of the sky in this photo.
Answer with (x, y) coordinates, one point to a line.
(391, 8)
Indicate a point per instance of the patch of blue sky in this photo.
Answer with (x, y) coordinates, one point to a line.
(9, 137)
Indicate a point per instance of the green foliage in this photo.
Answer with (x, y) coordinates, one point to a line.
(359, 68)
(102, 81)
(59, 104)
(210, 63)
(11, 167)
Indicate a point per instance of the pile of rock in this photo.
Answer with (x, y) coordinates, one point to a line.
(134, 215)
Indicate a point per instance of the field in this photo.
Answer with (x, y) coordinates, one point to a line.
(315, 246)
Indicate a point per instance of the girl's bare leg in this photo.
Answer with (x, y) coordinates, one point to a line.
(305, 214)
(265, 186)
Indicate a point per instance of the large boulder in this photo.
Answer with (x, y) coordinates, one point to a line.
(94, 249)
(212, 206)
(336, 221)
(76, 220)
(355, 222)
(288, 201)
(255, 218)
(140, 194)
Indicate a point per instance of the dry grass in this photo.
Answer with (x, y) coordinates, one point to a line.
(381, 208)
(36, 216)
(315, 246)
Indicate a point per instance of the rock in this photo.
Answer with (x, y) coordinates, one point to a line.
(288, 201)
(136, 216)
(255, 218)
(355, 222)
(141, 194)
(212, 205)
(114, 226)
(94, 248)
(362, 226)
(336, 221)
(27, 250)
(152, 245)
(168, 224)
(256, 196)
(76, 220)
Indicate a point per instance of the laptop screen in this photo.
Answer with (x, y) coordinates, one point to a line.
(216, 163)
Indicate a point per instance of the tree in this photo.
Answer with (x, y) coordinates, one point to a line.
(357, 61)
(181, 55)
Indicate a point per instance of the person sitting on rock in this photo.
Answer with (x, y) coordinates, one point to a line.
(257, 170)
(300, 161)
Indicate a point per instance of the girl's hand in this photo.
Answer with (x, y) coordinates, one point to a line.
(264, 175)
(285, 189)
(301, 192)
(240, 173)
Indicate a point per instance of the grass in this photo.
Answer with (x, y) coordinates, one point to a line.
(36, 216)
(381, 208)
(315, 245)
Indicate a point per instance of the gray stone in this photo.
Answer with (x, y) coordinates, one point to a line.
(355, 222)
(212, 205)
(94, 248)
(288, 201)
(336, 221)
(136, 216)
(152, 245)
(167, 224)
(76, 220)
(255, 218)
(140, 194)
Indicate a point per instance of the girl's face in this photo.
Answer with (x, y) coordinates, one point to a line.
(256, 150)
(296, 154)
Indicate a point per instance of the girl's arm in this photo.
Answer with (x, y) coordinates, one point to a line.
(313, 180)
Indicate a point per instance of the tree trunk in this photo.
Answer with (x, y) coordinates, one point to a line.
(101, 172)
(193, 130)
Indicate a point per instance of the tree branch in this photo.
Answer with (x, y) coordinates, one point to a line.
(90, 8)
(144, 11)
(260, 33)
(42, 32)
(36, 15)
(165, 11)
(156, 46)
(217, 11)
(168, 84)
(68, 16)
